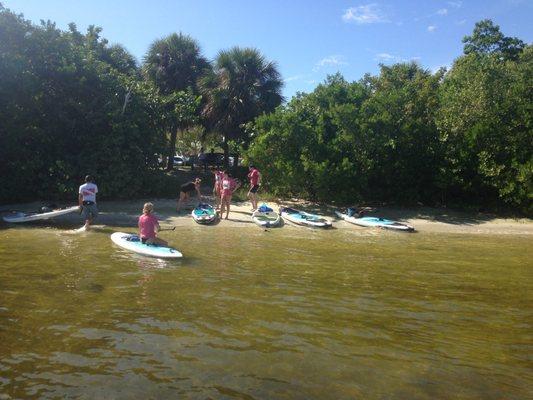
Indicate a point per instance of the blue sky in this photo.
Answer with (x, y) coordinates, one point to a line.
(308, 39)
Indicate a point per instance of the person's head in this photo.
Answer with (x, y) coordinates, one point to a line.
(197, 181)
(89, 178)
(148, 208)
(251, 166)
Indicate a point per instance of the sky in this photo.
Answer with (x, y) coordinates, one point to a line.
(307, 39)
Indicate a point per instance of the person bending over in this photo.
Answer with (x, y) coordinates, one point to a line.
(149, 226)
(185, 191)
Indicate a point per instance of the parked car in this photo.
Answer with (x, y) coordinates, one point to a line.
(180, 160)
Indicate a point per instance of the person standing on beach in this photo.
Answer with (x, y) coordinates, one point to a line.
(229, 185)
(188, 188)
(87, 201)
(149, 226)
(217, 188)
(254, 177)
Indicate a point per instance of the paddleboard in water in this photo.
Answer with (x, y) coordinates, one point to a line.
(133, 243)
(265, 216)
(18, 216)
(375, 222)
(303, 218)
(204, 214)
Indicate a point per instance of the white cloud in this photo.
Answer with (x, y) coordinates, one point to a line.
(461, 22)
(294, 78)
(432, 28)
(366, 14)
(442, 11)
(391, 58)
(331, 61)
(385, 57)
(455, 4)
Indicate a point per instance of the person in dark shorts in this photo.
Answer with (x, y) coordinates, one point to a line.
(254, 176)
(87, 201)
(185, 191)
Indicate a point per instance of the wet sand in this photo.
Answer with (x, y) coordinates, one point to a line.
(424, 219)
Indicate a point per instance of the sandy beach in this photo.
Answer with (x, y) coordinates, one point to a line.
(424, 219)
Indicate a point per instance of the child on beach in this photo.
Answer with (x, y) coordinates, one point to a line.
(149, 226)
(229, 185)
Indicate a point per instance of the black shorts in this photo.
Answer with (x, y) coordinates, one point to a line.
(254, 189)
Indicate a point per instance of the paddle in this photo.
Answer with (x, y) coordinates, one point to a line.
(167, 229)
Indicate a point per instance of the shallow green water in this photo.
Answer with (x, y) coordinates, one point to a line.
(291, 313)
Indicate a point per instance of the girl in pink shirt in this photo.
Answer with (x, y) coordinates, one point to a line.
(149, 226)
(229, 185)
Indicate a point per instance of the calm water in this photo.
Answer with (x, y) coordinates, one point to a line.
(289, 313)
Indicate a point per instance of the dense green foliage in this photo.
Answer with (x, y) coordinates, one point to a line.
(71, 105)
(242, 86)
(462, 137)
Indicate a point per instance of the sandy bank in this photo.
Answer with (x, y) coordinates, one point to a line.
(424, 219)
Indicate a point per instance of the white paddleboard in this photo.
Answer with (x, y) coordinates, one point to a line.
(18, 217)
(133, 243)
(305, 219)
(266, 218)
(376, 222)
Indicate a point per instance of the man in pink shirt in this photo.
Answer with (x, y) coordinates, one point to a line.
(149, 226)
(254, 176)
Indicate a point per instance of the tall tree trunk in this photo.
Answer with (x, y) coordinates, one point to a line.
(225, 146)
(235, 160)
(172, 147)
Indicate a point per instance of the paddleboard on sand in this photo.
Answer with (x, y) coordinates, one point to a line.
(204, 214)
(265, 216)
(303, 218)
(375, 222)
(133, 243)
(18, 216)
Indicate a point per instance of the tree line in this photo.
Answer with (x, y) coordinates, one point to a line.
(73, 104)
(461, 137)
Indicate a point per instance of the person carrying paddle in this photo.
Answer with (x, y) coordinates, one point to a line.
(254, 176)
(229, 185)
(188, 188)
(149, 226)
(87, 201)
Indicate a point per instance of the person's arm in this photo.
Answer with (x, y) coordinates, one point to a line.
(197, 187)
(80, 199)
(139, 225)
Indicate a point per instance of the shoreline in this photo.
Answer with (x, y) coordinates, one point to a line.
(424, 219)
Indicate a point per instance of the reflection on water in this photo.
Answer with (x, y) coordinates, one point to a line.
(286, 313)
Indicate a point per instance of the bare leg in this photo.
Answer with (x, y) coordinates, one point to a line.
(183, 198)
(228, 202)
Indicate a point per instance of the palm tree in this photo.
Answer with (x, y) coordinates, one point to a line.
(242, 86)
(173, 64)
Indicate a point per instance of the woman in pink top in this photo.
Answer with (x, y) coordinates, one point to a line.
(149, 226)
(229, 185)
(254, 176)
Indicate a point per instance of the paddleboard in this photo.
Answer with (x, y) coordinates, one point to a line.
(265, 216)
(204, 214)
(303, 218)
(133, 243)
(18, 216)
(375, 222)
